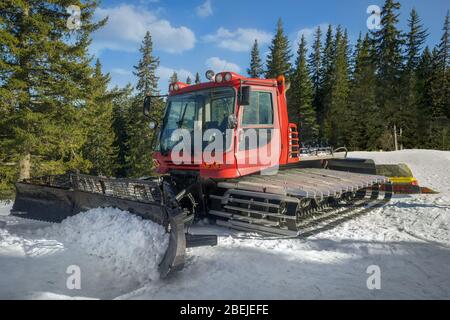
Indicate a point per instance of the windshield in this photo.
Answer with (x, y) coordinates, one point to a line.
(208, 108)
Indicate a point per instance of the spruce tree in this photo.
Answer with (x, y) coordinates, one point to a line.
(45, 78)
(425, 73)
(336, 99)
(415, 38)
(145, 71)
(439, 130)
(444, 45)
(362, 107)
(256, 67)
(188, 80)
(197, 78)
(388, 41)
(443, 66)
(278, 60)
(300, 98)
(140, 135)
(325, 80)
(98, 120)
(315, 65)
(122, 104)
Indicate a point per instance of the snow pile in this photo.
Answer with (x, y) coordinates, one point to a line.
(129, 245)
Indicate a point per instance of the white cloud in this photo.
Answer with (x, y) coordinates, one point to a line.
(309, 34)
(240, 40)
(205, 9)
(164, 74)
(219, 65)
(127, 25)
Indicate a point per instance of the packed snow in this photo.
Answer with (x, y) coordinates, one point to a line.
(408, 239)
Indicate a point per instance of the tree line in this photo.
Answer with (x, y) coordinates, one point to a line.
(57, 113)
(363, 96)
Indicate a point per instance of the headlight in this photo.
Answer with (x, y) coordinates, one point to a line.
(219, 77)
(227, 76)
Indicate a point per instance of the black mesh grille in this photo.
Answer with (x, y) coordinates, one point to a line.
(137, 190)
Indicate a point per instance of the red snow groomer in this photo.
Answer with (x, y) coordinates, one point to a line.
(226, 151)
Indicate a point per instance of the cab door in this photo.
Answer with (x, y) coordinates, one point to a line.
(258, 132)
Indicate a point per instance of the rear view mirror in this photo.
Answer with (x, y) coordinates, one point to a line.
(147, 105)
(244, 95)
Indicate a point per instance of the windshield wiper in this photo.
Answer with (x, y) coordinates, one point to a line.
(180, 122)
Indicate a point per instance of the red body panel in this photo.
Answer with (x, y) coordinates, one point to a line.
(233, 168)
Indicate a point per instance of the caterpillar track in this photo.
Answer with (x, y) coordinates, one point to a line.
(297, 202)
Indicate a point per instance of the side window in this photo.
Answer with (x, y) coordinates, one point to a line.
(260, 110)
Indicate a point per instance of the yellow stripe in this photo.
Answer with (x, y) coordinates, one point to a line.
(408, 180)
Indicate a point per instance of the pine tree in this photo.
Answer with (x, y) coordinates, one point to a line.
(122, 105)
(443, 66)
(325, 80)
(388, 41)
(256, 67)
(173, 78)
(363, 110)
(145, 71)
(45, 77)
(439, 95)
(336, 100)
(188, 80)
(444, 45)
(98, 119)
(315, 63)
(315, 67)
(278, 60)
(425, 72)
(300, 98)
(140, 136)
(197, 78)
(415, 38)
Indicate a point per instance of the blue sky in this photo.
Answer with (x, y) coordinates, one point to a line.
(195, 35)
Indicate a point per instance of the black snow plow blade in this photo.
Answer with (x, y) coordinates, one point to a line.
(54, 198)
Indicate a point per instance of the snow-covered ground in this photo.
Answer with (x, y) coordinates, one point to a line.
(408, 239)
